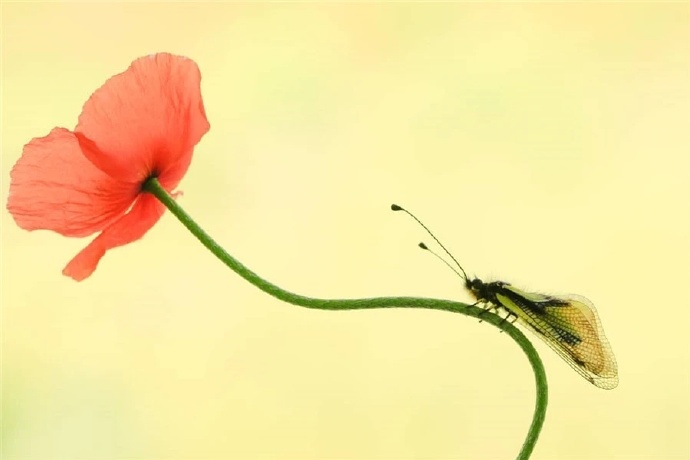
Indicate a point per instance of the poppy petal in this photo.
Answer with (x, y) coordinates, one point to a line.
(146, 120)
(54, 187)
(130, 227)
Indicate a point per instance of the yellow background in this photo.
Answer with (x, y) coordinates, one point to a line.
(545, 144)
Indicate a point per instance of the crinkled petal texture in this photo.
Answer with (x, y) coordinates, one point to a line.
(146, 120)
(141, 123)
(143, 215)
(54, 187)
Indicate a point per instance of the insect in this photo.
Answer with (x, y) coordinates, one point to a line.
(568, 324)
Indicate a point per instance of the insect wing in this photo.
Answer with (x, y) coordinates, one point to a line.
(571, 327)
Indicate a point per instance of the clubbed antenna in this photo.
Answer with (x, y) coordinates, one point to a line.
(425, 247)
(395, 207)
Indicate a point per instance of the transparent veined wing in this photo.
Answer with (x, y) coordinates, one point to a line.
(571, 327)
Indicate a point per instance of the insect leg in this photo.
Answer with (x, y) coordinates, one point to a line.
(515, 317)
(487, 306)
(509, 314)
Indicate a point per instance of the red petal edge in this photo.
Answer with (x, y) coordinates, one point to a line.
(146, 120)
(54, 187)
(131, 227)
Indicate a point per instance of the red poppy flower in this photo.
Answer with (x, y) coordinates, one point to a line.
(141, 123)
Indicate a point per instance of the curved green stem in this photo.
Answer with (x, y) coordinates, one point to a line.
(153, 186)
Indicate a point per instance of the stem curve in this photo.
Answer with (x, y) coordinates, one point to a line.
(154, 187)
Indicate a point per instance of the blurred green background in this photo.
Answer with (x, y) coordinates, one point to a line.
(545, 144)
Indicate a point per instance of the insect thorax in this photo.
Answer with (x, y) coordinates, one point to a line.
(485, 292)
